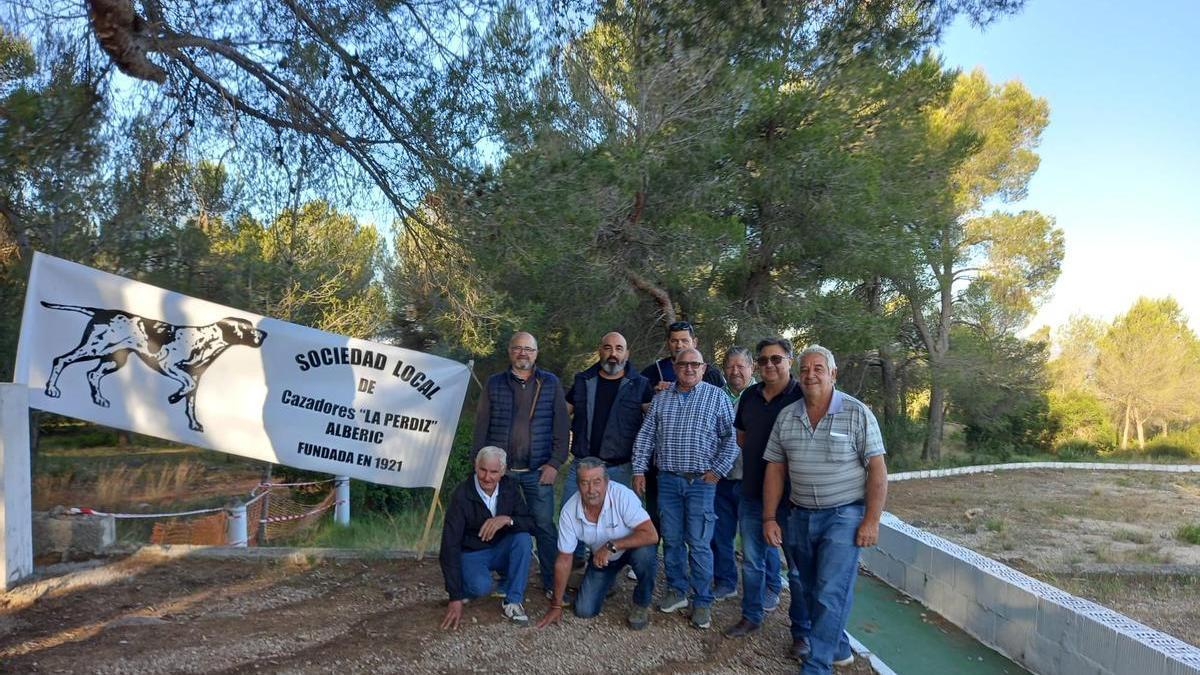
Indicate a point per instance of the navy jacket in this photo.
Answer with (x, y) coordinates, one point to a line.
(624, 420)
(465, 514)
(547, 430)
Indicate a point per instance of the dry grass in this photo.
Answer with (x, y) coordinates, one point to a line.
(124, 484)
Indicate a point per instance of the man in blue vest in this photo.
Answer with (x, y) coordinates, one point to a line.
(523, 411)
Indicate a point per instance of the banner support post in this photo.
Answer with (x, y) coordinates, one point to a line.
(16, 493)
(424, 544)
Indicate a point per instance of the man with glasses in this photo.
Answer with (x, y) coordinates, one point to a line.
(738, 365)
(828, 444)
(523, 411)
(757, 410)
(688, 432)
(681, 335)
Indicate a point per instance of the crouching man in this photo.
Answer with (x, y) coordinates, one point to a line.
(486, 530)
(608, 518)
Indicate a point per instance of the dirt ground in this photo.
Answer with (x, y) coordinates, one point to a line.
(149, 614)
(1109, 536)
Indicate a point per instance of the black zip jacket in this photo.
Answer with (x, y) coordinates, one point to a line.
(465, 514)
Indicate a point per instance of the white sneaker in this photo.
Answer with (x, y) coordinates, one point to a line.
(630, 574)
(846, 661)
(514, 612)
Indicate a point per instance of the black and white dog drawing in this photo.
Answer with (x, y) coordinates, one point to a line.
(182, 353)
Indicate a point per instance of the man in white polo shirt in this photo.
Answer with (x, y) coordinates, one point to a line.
(609, 519)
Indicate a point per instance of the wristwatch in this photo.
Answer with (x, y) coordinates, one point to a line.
(612, 548)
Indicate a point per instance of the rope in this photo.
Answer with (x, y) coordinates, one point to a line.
(85, 511)
(298, 516)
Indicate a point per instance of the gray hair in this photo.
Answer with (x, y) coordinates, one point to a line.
(588, 463)
(830, 363)
(738, 350)
(490, 451)
(781, 342)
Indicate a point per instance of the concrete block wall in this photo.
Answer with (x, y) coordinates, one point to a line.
(1043, 628)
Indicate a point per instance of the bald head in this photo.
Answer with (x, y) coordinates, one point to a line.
(614, 354)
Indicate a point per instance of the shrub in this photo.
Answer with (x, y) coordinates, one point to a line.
(1189, 533)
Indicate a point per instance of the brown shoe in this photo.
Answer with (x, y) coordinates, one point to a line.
(800, 649)
(741, 629)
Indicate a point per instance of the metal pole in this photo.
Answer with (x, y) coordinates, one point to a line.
(235, 525)
(261, 539)
(16, 492)
(341, 500)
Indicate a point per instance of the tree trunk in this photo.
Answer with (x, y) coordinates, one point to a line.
(937, 419)
(1141, 431)
(891, 389)
(1125, 429)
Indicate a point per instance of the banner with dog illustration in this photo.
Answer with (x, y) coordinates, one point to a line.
(129, 355)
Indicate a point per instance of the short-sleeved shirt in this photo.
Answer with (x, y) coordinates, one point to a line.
(622, 511)
(827, 465)
(755, 418)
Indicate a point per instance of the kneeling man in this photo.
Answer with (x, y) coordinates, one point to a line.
(609, 519)
(486, 530)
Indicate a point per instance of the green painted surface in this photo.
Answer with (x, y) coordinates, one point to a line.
(893, 628)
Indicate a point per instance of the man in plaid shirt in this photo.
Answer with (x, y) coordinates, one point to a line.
(689, 433)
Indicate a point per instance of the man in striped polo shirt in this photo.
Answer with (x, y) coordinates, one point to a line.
(688, 432)
(830, 446)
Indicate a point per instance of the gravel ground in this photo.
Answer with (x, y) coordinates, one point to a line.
(151, 614)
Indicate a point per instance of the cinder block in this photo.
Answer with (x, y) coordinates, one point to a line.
(1077, 664)
(1098, 642)
(980, 622)
(938, 596)
(1138, 658)
(72, 536)
(898, 545)
(1183, 665)
(1012, 637)
(966, 579)
(941, 565)
(1019, 605)
(922, 555)
(991, 591)
(914, 581)
(1043, 655)
(1058, 623)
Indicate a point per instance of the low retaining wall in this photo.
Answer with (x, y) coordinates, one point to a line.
(1043, 628)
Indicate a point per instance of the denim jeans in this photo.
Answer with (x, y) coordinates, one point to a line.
(761, 565)
(725, 504)
(509, 556)
(686, 508)
(821, 542)
(621, 473)
(540, 499)
(597, 580)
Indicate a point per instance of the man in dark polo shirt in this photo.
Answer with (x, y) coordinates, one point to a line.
(758, 407)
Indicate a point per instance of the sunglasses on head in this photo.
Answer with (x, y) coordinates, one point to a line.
(774, 359)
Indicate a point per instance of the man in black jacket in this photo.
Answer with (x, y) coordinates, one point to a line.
(486, 529)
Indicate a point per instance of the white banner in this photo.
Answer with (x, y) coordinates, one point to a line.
(129, 355)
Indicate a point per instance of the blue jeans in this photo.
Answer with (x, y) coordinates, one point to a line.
(540, 499)
(686, 508)
(760, 568)
(509, 556)
(597, 581)
(725, 504)
(621, 473)
(826, 559)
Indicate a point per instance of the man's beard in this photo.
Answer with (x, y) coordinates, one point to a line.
(611, 367)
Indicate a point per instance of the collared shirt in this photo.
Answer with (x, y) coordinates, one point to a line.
(827, 465)
(488, 500)
(755, 418)
(621, 512)
(688, 432)
(736, 472)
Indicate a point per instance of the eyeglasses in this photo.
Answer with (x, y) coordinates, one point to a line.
(522, 348)
(774, 359)
(688, 365)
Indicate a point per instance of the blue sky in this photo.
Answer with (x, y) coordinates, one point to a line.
(1120, 167)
